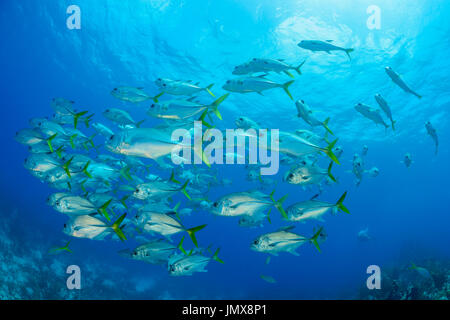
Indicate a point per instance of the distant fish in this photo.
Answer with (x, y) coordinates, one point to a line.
(432, 132)
(268, 279)
(407, 160)
(363, 235)
(132, 94)
(325, 46)
(398, 81)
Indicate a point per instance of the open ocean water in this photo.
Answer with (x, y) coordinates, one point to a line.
(399, 216)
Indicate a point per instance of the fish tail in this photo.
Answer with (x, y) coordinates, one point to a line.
(175, 209)
(208, 89)
(347, 51)
(286, 88)
(72, 138)
(77, 116)
(325, 125)
(183, 190)
(216, 256)
(299, 66)
(87, 120)
(58, 152)
(180, 246)
(138, 124)
(49, 141)
(202, 119)
(116, 227)
(203, 156)
(66, 167)
(191, 232)
(102, 210)
(155, 98)
(123, 199)
(288, 73)
(315, 237)
(216, 103)
(85, 171)
(340, 205)
(329, 151)
(279, 204)
(125, 172)
(329, 172)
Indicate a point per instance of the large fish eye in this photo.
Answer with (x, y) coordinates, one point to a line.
(137, 190)
(134, 253)
(255, 241)
(290, 176)
(172, 268)
(215, 204)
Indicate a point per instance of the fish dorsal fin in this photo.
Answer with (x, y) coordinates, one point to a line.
(314, 197)
(197, 83)
(286, 228)
(191, 99)
(140, 88)
(281, 60)
(329, 41)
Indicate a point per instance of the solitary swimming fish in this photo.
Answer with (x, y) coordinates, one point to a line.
(398, 81)
(432, 132)
(407, 160)
(326, 46)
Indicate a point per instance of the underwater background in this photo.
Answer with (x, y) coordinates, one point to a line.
(406, 210)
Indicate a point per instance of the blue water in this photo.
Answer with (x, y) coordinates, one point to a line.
(134, 42)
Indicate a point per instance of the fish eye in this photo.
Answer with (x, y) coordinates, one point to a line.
(215, 204)
(137, 190)
(164, 85)
(290, 176)
(65, 225)
(134, 253)
(152, 106)
(305, 177)
(255, 241)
